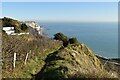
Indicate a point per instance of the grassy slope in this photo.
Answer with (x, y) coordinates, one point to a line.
(73, 61)
(39, 47)
(32, 67)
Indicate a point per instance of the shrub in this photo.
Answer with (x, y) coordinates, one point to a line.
(62, 37)
(73, 41)
(24, 27)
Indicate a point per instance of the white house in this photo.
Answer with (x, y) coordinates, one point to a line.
(35, 26)
(9, 30)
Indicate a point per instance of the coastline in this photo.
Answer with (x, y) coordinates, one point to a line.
(116, 60)
(110, 64)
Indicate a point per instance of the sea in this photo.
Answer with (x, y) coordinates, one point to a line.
(101, 38)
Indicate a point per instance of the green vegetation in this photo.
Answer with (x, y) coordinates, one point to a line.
(66, 41)
(24, 27)
(73, 41)
(57, 58)
(73, 62)
(7, 22)
(39, 47)
(19, 27)
(62, 37)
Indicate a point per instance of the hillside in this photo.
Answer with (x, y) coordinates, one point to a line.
(49, 59)
(57, 58)
(73, 62)
(37, 47)
(19, 26)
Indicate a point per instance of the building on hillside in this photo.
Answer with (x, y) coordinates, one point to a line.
(9, 30)
(35, 26)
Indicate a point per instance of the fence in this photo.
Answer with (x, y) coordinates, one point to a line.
(15, 57)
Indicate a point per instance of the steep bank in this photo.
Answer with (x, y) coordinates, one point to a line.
(73, 61)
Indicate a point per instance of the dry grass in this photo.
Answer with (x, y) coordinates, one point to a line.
(74, 61)
(22, 45)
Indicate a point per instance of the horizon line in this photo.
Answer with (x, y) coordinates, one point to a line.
(61, 21)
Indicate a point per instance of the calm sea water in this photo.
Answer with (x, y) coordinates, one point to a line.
(102, 38)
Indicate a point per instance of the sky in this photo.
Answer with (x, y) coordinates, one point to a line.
(62, 11)
(59, 0)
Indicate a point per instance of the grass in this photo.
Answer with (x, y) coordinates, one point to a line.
(32, 67)
(52, 59)
(40, 47)
(74, 62)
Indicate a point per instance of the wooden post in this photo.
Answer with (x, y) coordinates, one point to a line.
(26, 57)
(14, 60)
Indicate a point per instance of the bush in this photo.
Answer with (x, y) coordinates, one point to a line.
(24, 27)
(7, 22)
(65, 39)
(62, 37)
(73, 41)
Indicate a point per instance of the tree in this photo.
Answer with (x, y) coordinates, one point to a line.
(24, 27)
(62, 37)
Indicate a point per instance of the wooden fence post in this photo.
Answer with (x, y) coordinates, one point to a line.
(14, 60)
(26, 57)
